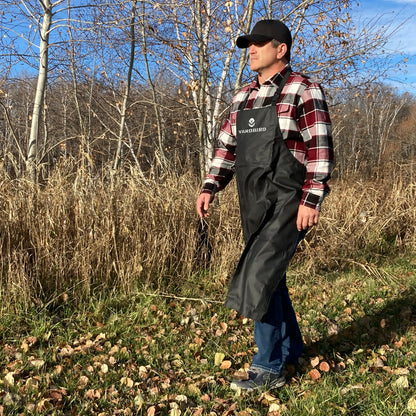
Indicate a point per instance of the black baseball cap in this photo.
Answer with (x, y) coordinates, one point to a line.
(265, 30)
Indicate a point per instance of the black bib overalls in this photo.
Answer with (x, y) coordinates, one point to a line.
(269, 180)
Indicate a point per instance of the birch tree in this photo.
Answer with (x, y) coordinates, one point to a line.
(124, 104)
(199, 39)
(29, 32)
(201, 43)
(177, 58)
(366, 124)
(45, 28)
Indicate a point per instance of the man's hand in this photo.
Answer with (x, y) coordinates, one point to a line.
(307, 217)
(202, 204)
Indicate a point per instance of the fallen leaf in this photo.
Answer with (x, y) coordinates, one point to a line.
(10, 399)
(268, 398)
(37, 363)
(114, 350)
(378, 363)
(231, 410)
(411, 404)
(66, 351)
(89, 394)
(181, 398)
(99, 337)
(333, 329)
(402, 382)
(9, 379)
(127, 381)
(31, 340)
(274, 409)
(398, 344)
(340, 366)
(218, 358)
(44, 405)
(58, 370)
(32, 383)
(151, 411)
(314, 361)
(25, 346)
(401, 371)
(225, 364)
(138, 401)
(194, 389)
(142, 371)
(324, 366)
(177, 363)
(314, 374)
(83, 381)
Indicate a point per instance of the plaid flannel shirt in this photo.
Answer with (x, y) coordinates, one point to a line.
(305, 125)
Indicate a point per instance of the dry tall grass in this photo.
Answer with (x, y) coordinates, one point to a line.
(77, 233)
(363, 223)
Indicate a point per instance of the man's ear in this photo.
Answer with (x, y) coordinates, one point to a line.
(281, 51)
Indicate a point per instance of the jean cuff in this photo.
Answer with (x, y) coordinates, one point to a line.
(269, 370)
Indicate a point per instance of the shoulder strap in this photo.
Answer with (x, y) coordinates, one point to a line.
(281, 85)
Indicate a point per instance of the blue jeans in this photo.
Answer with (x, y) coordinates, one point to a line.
(277, 336)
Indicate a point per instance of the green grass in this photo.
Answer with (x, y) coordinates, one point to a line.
(153, 354)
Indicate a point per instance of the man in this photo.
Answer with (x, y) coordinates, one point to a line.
(277, 140)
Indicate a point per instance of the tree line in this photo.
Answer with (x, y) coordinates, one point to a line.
(121, 82)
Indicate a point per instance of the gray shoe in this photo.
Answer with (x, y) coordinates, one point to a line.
(259, 379)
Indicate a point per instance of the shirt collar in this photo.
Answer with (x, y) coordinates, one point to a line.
(273, 80)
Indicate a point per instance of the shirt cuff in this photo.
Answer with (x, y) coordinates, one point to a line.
(209, 188)
(311, 200)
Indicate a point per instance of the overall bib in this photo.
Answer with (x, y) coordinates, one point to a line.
(269, 180)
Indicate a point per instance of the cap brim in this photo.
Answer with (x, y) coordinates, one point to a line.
(244, 41)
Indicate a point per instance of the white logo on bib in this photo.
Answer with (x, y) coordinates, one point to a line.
(251, 123)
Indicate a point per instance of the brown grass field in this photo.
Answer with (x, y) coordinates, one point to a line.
(76, 234)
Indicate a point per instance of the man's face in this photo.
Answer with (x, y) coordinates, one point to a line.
(262, 56)
(265, 59)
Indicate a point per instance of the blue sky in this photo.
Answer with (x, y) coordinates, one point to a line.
(401, 15)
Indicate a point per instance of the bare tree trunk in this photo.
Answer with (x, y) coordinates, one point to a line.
(160, 134)
(202, 31)
(74, 74)
(243, 55)
(40, 89)
(119, 154)
(214, 115)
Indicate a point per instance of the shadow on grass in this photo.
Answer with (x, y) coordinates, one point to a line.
(382, 327)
